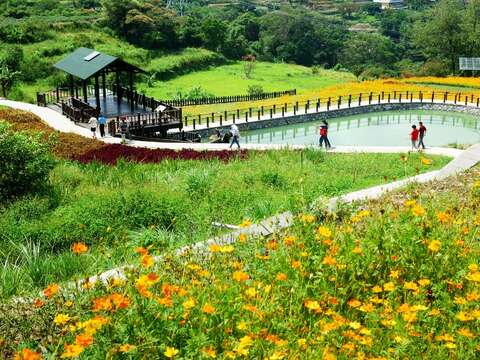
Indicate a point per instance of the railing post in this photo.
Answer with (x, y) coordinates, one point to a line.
(295, 110)
(274, 108)
(199, 119)
(349, 100)
(400, 97)
(271, 113)
(383, 95)
(246, 116)
(433, 96)
(379, 100)
(58, 94)
(221, 120)
(389, 98)
(394, 94)
(186, 120)
(233, 118)
(262, 110)
(370, 99)
(208, 122)
(328, 104)
(194, 124)
(258, 114)
(283, 112)
(360, 99)
(317, 106)
(339, 102)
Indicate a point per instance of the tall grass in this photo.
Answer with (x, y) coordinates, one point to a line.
(114, 209)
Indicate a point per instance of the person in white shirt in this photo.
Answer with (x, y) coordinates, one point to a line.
(235, 136)
(93, 126)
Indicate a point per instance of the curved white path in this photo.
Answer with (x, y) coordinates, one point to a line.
(61, 123)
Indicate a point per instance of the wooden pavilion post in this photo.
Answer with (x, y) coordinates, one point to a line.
(130, 78)
(85, 93)
(117, 85)
(72, 94)
(97, 92)
(104, 84)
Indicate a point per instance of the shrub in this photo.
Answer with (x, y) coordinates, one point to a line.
(434, 68)
(255, 90)
(25, 163)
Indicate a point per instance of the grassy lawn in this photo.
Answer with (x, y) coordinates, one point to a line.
(114, 209)
(231, 80)
(393, 278)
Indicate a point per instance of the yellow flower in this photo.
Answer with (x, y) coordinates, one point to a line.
(72, 351)
(245, 223)
(242, 325)
(189, 303)
(147, 261)
(324, 231)
(126, 348)
(355, 325)
(281, 277)
(443, 217)
(377, 289)
(410, 285)
(251, 292)
(170, 352)
(425, 161)
(465, 332)
(409, 203)
(394, 274)
(329, 260)
(312, 305)
(209, 352)
(51, 290)
(242, 238)
(357, 250)
(61, 319)
(307, 219)
(434, 246)
(474, 277)
(390, 286)
(418, 210)
(424, 282)
(463, 316)
(450, 345)
(473, 267)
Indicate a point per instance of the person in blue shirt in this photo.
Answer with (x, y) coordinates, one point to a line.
(102, 122)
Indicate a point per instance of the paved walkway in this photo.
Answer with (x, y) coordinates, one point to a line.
(61, 123)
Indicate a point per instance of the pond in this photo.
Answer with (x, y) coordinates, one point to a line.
(375, 129)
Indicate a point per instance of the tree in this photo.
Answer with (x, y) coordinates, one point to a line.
(440, 36)
(7, 78)
(471, 28)
(115, 14)
(213, 33)
(368, 50)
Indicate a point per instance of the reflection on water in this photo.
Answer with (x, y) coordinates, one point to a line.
(376, 129)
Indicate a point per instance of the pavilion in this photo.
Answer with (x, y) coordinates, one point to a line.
(86, 64)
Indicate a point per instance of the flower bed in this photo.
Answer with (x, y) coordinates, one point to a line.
(392, 279)
(110, 154)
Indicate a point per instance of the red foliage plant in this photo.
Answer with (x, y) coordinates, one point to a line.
(110, 154)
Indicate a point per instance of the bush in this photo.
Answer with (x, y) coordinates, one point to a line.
(25, 163)
(255, 90)
(434, 68)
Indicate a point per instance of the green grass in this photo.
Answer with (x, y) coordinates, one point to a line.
(231, 80)
(116, 209)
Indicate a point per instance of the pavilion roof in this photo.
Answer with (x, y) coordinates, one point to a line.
(85, 63)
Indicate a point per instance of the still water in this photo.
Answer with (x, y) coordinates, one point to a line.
(376, 129)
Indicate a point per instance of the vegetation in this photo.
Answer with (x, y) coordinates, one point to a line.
(114, 209)
(393, 278)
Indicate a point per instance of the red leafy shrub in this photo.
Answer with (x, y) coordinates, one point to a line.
(110, 154)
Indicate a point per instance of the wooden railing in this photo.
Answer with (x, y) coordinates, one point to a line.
(78, 111)
(315, 105)
(229, 99)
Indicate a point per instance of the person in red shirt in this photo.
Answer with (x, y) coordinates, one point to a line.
(324, 135)
(414, 137)
(422, 130)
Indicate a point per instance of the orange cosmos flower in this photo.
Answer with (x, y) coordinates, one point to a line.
(208, 309)
(84, 340)
(38, 303)
(79, 248)
(281, 277)
(126, 348)
(141, 251)
(324, 231)
(240, 276)
(418, 210)
(27, 354)
(51, 290)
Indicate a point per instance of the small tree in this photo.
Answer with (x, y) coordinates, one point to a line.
(25, 163)
(249, 64)
(7, 78)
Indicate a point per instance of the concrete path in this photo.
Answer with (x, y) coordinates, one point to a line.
(61, 123)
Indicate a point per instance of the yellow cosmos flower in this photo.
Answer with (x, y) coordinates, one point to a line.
(208, 309)
(312, 305)
(418, 210)
(394, 274)
(209, 352)
(377, 289)
(307, 218)
(126, 348)
(355, 325)
(409, 203)
(72, 351)
(465, 332)
(410, 285)
(189, 304)
(463, 316)
(434, 246)
(170, 352)
(61, 319)
(324, 231)
(242, 325)
(424, 282)
(251, 292)
(240, 276)
(390, 286)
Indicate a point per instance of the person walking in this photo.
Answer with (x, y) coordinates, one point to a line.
(414, 137)
(102, 122)
(235, 136)
(92, 123)
(422, 131)
(324, 135)
(123, 130)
